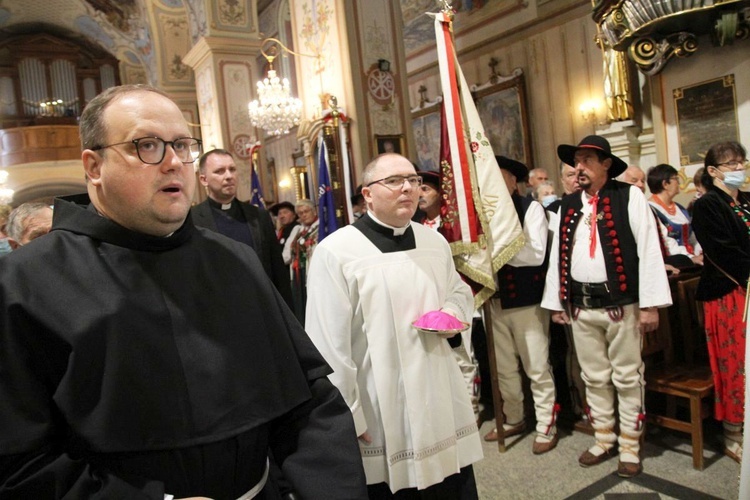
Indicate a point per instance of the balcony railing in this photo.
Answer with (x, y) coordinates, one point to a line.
(39, 143)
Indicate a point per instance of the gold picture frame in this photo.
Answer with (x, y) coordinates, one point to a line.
(504, 114)
(426, 127)
(389, 144)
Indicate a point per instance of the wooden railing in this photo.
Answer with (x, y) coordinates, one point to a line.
(39, 143)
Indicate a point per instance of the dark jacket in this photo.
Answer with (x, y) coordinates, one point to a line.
(724, 237)
(264, 237)
(521, 286)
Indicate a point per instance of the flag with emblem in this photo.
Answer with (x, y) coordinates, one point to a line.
(479, 220)
(255, 187)
(326, 210)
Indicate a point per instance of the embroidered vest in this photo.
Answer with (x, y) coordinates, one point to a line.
(521, 286)
(679, 232)
(616, 238)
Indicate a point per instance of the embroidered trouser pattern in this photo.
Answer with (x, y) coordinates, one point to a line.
(610, 356)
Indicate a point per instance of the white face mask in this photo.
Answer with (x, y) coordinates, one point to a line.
(734, 179)
(4, 246)
(548, 200)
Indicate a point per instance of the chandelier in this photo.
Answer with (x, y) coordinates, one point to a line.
(6, 194)
(275, 110)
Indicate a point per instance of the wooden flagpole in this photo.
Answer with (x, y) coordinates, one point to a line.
(497, 397)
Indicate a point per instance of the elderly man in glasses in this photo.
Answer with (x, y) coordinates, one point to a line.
(143, 357)
(367, 284)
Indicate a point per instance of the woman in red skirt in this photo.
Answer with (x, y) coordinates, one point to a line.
(721, 221)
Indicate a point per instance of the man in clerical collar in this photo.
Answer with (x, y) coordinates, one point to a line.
(367, 285)
(223, 213)
(144, 357)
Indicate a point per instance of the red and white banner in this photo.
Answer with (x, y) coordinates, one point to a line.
(479, 219)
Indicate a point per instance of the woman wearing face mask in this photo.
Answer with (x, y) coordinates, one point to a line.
(721, 221)
(545, 194)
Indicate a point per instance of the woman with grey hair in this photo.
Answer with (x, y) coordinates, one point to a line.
(298, 251)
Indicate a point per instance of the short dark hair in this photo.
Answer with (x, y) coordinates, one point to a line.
(697, 178)
(92, 129)
(658, 175)
(717, 153)
(204, 158)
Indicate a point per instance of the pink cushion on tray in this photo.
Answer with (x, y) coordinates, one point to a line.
(438, 320)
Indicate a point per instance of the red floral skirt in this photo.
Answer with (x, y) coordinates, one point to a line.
(725, 334)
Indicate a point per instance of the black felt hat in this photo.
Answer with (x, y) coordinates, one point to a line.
(429, 177)
(567, 152)
(518, 169)
(274, 209)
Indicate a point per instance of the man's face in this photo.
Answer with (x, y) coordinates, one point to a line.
(394, 207)
(285, 216)
(220, 178)
(569, 179)
(429, 199)
(537, 177)
(510, 180)
(306, 214)
(152, 199)
(592, 173)
(636, 177)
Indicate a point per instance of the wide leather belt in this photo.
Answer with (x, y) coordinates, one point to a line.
(590, 295)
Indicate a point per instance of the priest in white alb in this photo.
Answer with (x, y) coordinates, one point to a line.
(369, 283)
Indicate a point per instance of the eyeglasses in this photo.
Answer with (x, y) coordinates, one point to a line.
(151, 150)
(394, 182)
(734, 164)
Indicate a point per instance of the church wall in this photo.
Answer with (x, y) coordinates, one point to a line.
(553, 43)
(561, 64)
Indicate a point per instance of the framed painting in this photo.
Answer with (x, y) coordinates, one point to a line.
(502, 109)
(706, 114)
(426, 126)
(389, 144)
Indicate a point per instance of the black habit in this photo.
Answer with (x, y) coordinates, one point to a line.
(133, 366)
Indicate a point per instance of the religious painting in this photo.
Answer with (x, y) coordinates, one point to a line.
(426, 126)
(502, 110)
(389, 144)
(706, 114)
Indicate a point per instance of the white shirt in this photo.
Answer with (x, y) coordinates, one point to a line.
(653, 288)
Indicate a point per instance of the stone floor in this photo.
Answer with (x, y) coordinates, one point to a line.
(668, 470)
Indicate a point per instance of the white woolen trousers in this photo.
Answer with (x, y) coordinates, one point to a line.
(523, 333)
(610, 356)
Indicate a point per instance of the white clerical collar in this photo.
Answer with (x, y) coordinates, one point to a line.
(397, 231)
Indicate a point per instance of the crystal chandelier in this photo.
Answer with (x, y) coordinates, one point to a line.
(275, 110)
(6, 194)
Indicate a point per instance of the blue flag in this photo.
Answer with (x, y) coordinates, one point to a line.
(326, 211)
(257, 198)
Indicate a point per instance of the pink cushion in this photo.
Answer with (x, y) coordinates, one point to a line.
(438, 320)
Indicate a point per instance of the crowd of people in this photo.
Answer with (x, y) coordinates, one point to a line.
(154, 349)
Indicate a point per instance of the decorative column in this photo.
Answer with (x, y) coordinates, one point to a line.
(224, 61)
